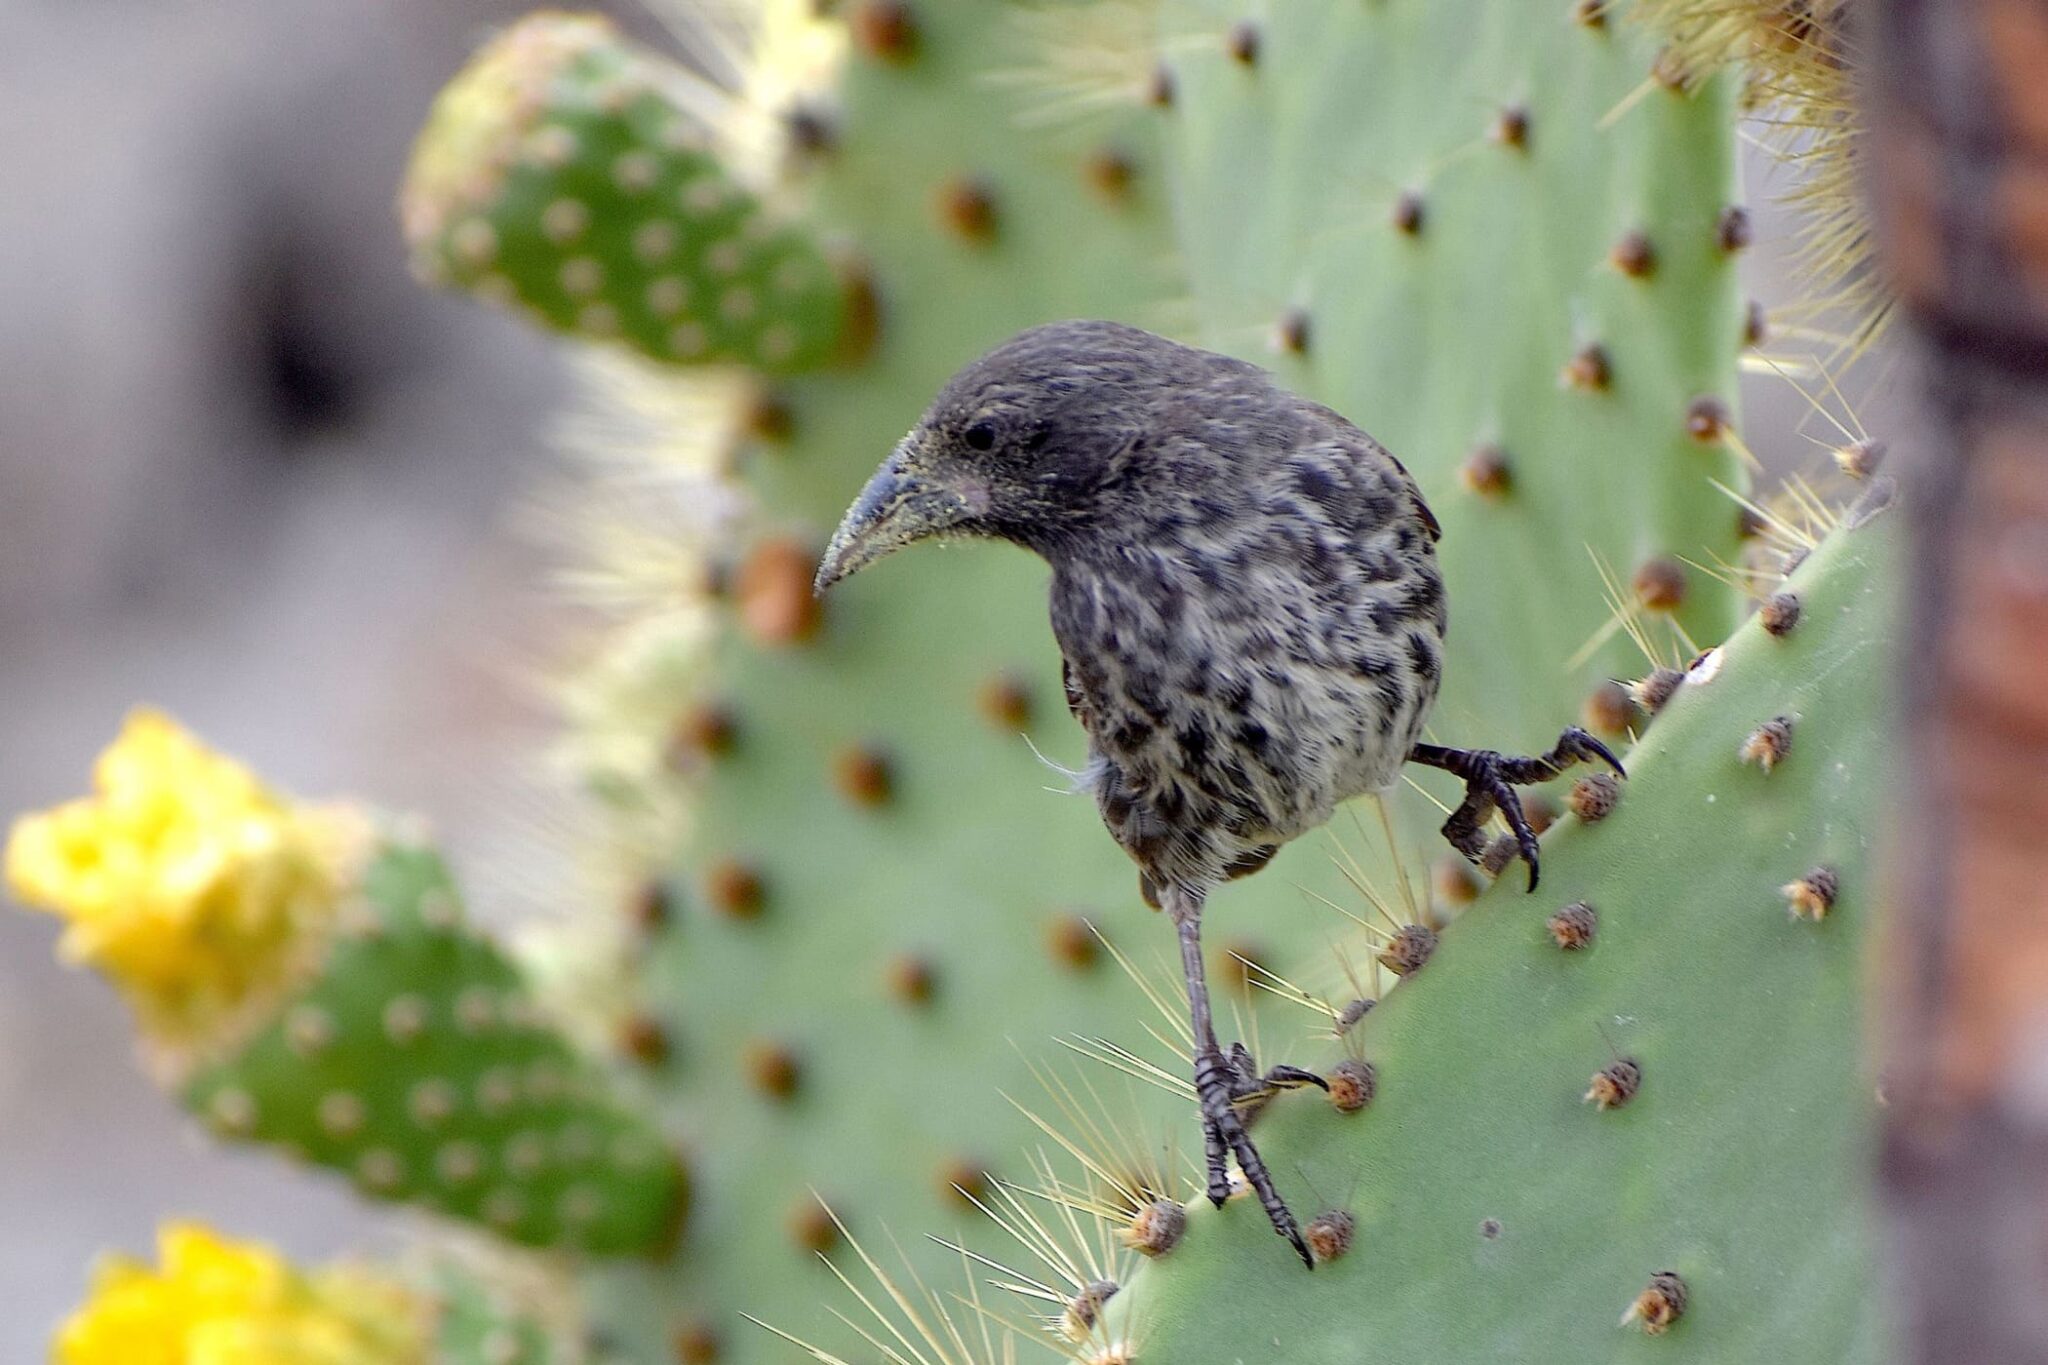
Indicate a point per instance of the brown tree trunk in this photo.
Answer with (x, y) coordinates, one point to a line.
(1959, 171)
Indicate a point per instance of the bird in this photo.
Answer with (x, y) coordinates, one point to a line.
(1249, 612)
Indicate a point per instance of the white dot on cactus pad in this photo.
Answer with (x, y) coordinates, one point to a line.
(793, 276)
(667, 295)
(405, 1019)
(380, 1168)
(233, 1110)
(689, 340)
(655, 242)
(476, 1010)
(525, 1154)
(582, 276)
(635, 172)
(342, 1114)
(738, 305)
(581, 1204)
(545, 1082)
(458, 1163)
(308, 1029)
(497, 1090)
(439, 910)
(505, 1207)
(551, 145)
(565, 220)
(475, 242)
(705, 194)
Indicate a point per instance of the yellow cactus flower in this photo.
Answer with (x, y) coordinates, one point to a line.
(184, 879)
(219, 1302)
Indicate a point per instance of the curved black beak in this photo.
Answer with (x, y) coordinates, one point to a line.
(896, 508)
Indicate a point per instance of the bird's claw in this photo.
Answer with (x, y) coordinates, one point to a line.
(1487, 789)
(1249, 1090)
(1289, 1078)
(1490, 782)
(1581, 746)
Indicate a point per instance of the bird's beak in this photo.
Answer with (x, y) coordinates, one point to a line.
(896, 509)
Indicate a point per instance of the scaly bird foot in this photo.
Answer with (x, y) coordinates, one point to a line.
(1490, 782)
(1221, 1085)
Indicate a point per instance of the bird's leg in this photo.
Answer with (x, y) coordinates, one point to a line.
(1217, 1082)
(1490, 782)
(1187, 922)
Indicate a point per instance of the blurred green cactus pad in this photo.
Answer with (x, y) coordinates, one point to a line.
(564, 173)
(416, 1062)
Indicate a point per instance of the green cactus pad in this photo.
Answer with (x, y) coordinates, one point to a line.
(416, 1062)
(1500, 1216)
(1422, 215)
(561, 173)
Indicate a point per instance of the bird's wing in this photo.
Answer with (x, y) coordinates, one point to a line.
(1429, 521)
(1077, 704)
(1408, 485)
(1326, 427)
(1130, 818)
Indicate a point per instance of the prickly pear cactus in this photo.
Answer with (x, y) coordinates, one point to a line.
(303, 982)
(416, 1062)
(876, 889)
(1662, 1117)
(562, 175)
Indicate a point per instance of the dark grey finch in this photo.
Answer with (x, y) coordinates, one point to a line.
(1246, 598)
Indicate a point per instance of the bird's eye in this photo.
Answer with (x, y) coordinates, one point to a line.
(980, 435)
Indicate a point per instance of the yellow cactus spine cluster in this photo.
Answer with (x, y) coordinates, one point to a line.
(184, 879)
(213, 1301)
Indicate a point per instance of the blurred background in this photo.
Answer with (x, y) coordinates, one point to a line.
(252, 473)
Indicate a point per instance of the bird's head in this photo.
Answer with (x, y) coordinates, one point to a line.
(1021, 445)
